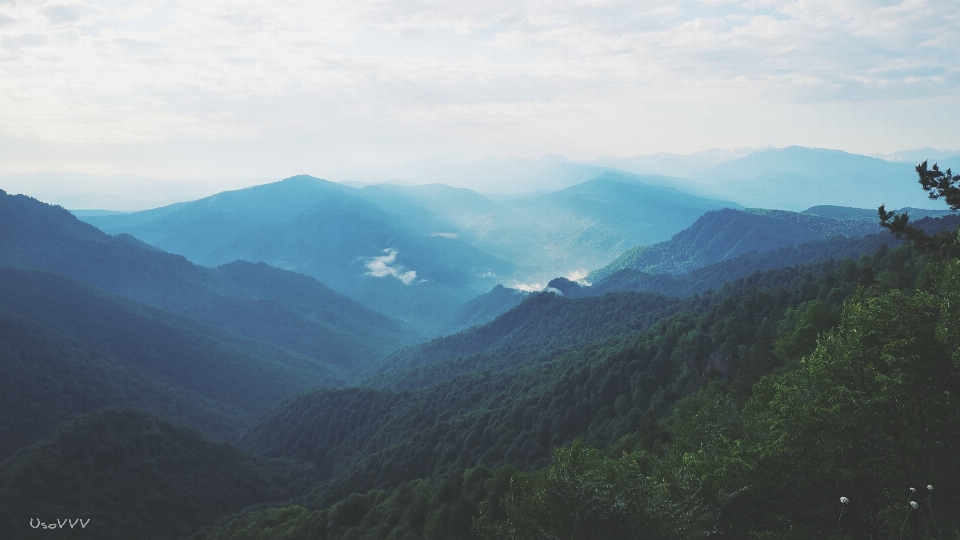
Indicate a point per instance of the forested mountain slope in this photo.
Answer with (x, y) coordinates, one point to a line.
(714, 275)
(265, 303)
(222, 366)
(542, 323)
(494, 413)
(802, 401)
(734, 352)
(128, 474)
(47, 377)
(444, 509)
(484, 308)
(725, 234)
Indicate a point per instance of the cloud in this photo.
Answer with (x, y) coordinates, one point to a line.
(326, 86)
(381, 267)
(579, 276)
(63, 14)
(528, 287)
(444, 234)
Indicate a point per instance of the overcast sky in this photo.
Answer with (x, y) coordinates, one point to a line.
(256, 89)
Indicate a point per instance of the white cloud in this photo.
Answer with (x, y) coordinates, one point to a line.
(381, 267)
(528, 287)
(444, 235)
(579, 276)
(197, 88)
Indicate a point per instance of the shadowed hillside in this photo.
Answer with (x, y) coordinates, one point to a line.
(287, 309)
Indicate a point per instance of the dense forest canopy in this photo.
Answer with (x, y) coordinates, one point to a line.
(808, 391)
(815, 401)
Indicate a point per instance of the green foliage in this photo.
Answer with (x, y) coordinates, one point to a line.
(514, 412)
(746, 410)
(809, 322)
(586, 495)
(221, 366)
(542, 324)
(938, 185)
(484, 308)
(432, 510)
(135, 476)
(871, 412)
(47, 378)
(868, 413)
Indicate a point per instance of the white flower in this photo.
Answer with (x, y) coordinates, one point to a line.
(844, 500)
(915, 505)
(929, 487)
(913, 490)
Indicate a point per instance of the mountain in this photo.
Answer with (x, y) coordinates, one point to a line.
(597, 367)
(725, 234)
(510, 175)
(589, 224)
(679, 417)
(576, 228)
(486, 175)
(127, 474)
(418, 252)
(265, 303)
(944, 157)
(715, 275)
(675, 165)
(392, 262)
(540, 326)
(243, 373)
(116, 192)
(795, 178)
(485, 308)
(47, 377)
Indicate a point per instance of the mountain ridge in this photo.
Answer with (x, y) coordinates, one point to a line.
(237, 297)
(724, 234)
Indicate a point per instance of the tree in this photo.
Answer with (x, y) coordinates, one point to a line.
(870, 413)
(939, 185)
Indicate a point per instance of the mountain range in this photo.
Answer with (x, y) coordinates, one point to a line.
(724, 234)
(220, 368)
(261, 302)
(416, 252)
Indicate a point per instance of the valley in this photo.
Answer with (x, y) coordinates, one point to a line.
(307, 359)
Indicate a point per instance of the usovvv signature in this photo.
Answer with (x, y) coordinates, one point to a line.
(60, 524)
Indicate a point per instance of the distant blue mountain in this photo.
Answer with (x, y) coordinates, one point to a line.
(417, 252)
(795, 178)
(870, 214)
(258, 301)
(728, 233)
(945, 158)
(586, 225)
(390, 261)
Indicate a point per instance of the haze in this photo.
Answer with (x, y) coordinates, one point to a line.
(212, 95)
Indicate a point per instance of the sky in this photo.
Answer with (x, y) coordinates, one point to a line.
(249, 91)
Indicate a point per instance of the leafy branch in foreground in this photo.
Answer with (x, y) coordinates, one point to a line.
(938, 185)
